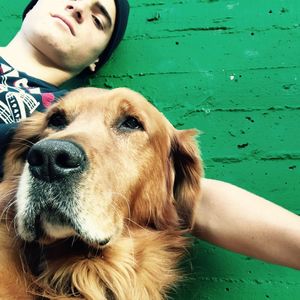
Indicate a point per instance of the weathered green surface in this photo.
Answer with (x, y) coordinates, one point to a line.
(231, 69)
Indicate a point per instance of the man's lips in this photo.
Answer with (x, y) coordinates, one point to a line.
(66, 21)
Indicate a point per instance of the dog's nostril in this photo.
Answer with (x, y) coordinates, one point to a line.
(35, 158)
(66, 160)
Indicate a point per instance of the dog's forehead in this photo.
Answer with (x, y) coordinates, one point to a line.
(102, 98)
(83, 98)
(91, 100)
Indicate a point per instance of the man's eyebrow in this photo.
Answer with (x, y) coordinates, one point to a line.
(104, 11)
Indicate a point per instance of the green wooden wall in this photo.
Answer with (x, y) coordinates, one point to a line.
(232, 70)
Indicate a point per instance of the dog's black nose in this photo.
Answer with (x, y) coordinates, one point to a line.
(55, 159)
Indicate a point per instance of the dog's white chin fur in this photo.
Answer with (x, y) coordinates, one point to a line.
(57, 231)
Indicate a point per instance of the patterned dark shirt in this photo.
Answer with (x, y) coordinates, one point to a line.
(20, 96)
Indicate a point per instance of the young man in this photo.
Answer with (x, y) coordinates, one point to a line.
(58, 39)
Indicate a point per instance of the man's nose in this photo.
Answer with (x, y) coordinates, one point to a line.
(79, 9)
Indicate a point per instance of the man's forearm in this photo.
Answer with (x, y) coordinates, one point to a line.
(242, 222)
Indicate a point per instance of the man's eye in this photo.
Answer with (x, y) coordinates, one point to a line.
(58, 121)
(131, 123)
(97, 22)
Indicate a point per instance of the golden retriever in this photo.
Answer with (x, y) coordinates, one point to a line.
(97, 194)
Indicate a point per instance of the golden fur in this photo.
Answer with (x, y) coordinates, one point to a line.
(139, 189)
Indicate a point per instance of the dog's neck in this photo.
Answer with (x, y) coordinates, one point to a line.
(140, 266)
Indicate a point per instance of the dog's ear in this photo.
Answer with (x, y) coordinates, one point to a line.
(187, 165)
(26, 134)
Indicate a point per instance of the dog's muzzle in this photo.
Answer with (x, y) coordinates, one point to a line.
(48, 200)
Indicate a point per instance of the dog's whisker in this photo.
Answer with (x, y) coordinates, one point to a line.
(8, 193)
(74, 238)
(150, 209)
(127, 202)
(132, 250)
(115, 210)
(24, 147)
(13, 224)
(5, 211)
(18, 139)
(128, 230)
(135, 223)
(16, 239)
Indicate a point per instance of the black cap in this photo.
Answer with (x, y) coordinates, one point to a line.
(122, 13)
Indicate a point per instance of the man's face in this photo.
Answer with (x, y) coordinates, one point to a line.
(71, 33)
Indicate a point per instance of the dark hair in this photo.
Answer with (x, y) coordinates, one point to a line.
(122, 12)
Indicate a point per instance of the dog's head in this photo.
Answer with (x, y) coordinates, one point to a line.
(98, 162)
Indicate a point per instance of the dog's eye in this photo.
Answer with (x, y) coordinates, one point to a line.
(131, 123)
(58, 121)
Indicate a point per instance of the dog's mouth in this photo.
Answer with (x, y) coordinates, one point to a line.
(51, 225)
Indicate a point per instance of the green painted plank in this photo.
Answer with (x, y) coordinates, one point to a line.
(201, 53)
(241, 89)
(169, 18)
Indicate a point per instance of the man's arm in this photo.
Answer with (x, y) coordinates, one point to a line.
(242, 222)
